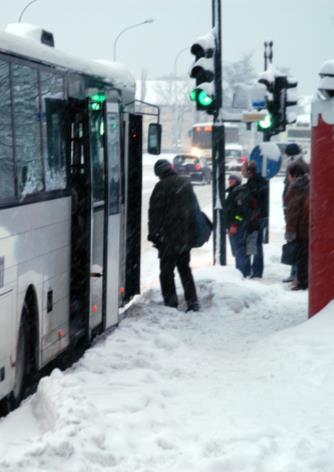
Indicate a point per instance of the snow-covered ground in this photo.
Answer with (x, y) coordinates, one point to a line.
(244, 385)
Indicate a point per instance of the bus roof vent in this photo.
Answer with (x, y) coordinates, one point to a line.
(26, 30)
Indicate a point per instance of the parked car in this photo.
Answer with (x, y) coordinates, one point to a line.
(196, 168)
(235, 156)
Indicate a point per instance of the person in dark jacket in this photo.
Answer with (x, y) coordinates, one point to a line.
(171, 221)
(297, 220)
(293, 153)
(237, 216)
(259, 190)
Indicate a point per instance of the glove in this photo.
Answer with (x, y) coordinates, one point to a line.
(233, 230)
(289, 236)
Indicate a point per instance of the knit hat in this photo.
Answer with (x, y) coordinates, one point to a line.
(161, 167)
(235, 177)
(292, 149)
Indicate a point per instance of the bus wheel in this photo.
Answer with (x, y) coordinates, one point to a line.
(21, 363)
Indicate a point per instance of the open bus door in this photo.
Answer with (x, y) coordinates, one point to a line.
(133, 200)
(95, 235)
(113, 214)
(79, 169)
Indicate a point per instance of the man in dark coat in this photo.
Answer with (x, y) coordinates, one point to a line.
(237, 216)
(293, 153)
(259, 190)
(171, 221)
(297, 220)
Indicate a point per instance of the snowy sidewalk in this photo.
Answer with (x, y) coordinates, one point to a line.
(244, 385)
(212, 391)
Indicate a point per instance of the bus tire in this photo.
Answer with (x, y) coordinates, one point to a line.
(21, 368)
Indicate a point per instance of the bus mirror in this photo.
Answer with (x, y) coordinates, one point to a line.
(154, 138)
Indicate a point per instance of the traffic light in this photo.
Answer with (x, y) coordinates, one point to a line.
(267, 125)
(291, 99)
(284, 96)
(278, 98)
(203, 71)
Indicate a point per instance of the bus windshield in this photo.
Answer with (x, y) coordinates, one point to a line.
(299, 133)
(201, 135)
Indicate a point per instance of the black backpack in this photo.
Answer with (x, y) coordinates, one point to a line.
(202, 228)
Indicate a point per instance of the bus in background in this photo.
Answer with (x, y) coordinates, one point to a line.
(201, 138)
(238, 143)
(70, 202)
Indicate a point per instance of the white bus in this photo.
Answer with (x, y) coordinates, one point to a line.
(70, 202)
(235, 134)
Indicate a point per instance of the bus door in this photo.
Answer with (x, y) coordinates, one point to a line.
(114, 228)
(79, 153)
(133, 203)
(98, 156)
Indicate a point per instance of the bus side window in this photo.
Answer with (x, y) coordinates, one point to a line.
(53, 130)
(27, 129)
(7, 188)
(114, 151)
(96, 124)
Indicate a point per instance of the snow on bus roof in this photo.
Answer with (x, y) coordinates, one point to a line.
(24, 39)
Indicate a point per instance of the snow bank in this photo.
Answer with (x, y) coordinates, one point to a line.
(244, 385)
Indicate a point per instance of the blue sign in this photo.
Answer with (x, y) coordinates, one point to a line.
(259, 104)
(268, 159)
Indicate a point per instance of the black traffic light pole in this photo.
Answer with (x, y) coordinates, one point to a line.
(218, 146)
(268, 53)
(268, 58)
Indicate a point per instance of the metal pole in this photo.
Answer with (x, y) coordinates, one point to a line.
(218, 147)
(25, 8)
(268, 53)
(176, 108)
(268, 56)
(123, 31)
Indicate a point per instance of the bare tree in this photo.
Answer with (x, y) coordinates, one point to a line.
(238, 72)
(143, 84)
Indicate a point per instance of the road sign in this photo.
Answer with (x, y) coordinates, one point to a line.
(268, 159)
(253, 116)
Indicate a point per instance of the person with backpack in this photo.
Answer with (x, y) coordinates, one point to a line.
(259, 192)
(171, 228)
(237, 217)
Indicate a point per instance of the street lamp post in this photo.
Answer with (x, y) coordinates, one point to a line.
(176, 107)
(126, 29)
(25, 8)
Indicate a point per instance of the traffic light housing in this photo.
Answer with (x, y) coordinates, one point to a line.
(279, 96)
(291, 99)
(267, 125)
(203, 71)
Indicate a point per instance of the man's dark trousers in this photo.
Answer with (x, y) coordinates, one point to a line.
(168, 262)
(257, 265)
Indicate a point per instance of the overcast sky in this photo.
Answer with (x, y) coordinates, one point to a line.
(302, 31)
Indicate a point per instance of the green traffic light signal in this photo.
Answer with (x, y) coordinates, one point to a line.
(266, 124)
(204, 99)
